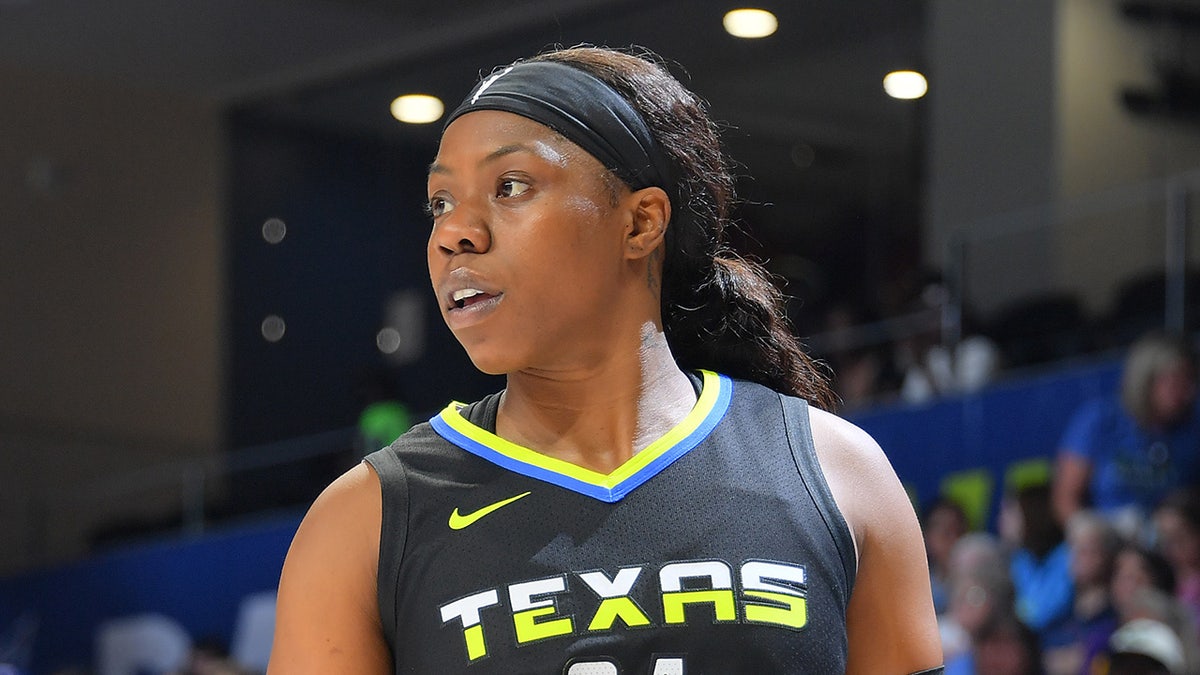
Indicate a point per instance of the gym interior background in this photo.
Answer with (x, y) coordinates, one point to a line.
(212, 230)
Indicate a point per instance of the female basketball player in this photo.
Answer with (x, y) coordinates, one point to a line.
(650, 494)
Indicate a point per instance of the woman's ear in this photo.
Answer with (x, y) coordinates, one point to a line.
(651, 213)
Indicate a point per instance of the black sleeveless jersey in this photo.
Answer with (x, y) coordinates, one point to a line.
(718, 549)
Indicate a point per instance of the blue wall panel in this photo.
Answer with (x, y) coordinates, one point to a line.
(197, 582)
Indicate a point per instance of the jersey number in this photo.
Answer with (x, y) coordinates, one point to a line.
(663, 665)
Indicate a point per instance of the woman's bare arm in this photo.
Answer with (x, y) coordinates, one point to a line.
(891, 623)
(327, 615)
(1071, 475)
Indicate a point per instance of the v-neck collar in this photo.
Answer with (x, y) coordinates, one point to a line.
(711, 405)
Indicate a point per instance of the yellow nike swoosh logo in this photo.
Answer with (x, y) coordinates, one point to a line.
(458, 520)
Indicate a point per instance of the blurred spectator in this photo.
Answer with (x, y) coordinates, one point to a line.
(930, 367)
(209, 657)
(1137, 569)
(981, 595)
(1127, 453)
(137, 643)
(1177, 523)
(944, 523)
(862, 369)
(1143, 587)
(1094, 544)
(1039, 563)
(1007, 648)
(1146, 647)
(1155, 605)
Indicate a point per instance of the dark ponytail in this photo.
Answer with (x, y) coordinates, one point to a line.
(720, 311)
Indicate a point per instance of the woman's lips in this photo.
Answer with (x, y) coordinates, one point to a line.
(473, 310)
(474, 299)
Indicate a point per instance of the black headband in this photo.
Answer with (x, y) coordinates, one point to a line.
(581, 107)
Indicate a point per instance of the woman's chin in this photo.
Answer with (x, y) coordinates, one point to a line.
(489, 361)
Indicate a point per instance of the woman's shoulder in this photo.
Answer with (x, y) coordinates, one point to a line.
(1099, 409)
(353, 497)
(843, 445)
(1095, 423)
(341, 529)
(327, 615)
(846, 452)
(859, 474)
(892, 602)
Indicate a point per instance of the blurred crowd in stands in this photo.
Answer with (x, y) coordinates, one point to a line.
(1095, 568)
(919, 343)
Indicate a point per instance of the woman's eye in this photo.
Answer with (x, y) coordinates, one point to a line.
(511, 188)
(438, 206)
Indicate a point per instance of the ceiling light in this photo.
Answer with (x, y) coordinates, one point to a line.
(905, 84)
(750, 23)
(418, 108)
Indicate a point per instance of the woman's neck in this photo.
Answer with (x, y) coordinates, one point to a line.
(599, 415)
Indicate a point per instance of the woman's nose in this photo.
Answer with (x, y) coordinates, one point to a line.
(462, 230)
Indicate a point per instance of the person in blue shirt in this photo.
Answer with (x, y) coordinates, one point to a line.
(1040, 565)
(1126, 453)
(1094, 543)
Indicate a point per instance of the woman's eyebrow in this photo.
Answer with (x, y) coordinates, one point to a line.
(506, 150)
(503, 150)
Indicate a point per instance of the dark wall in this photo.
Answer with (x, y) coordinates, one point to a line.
(355, 236)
